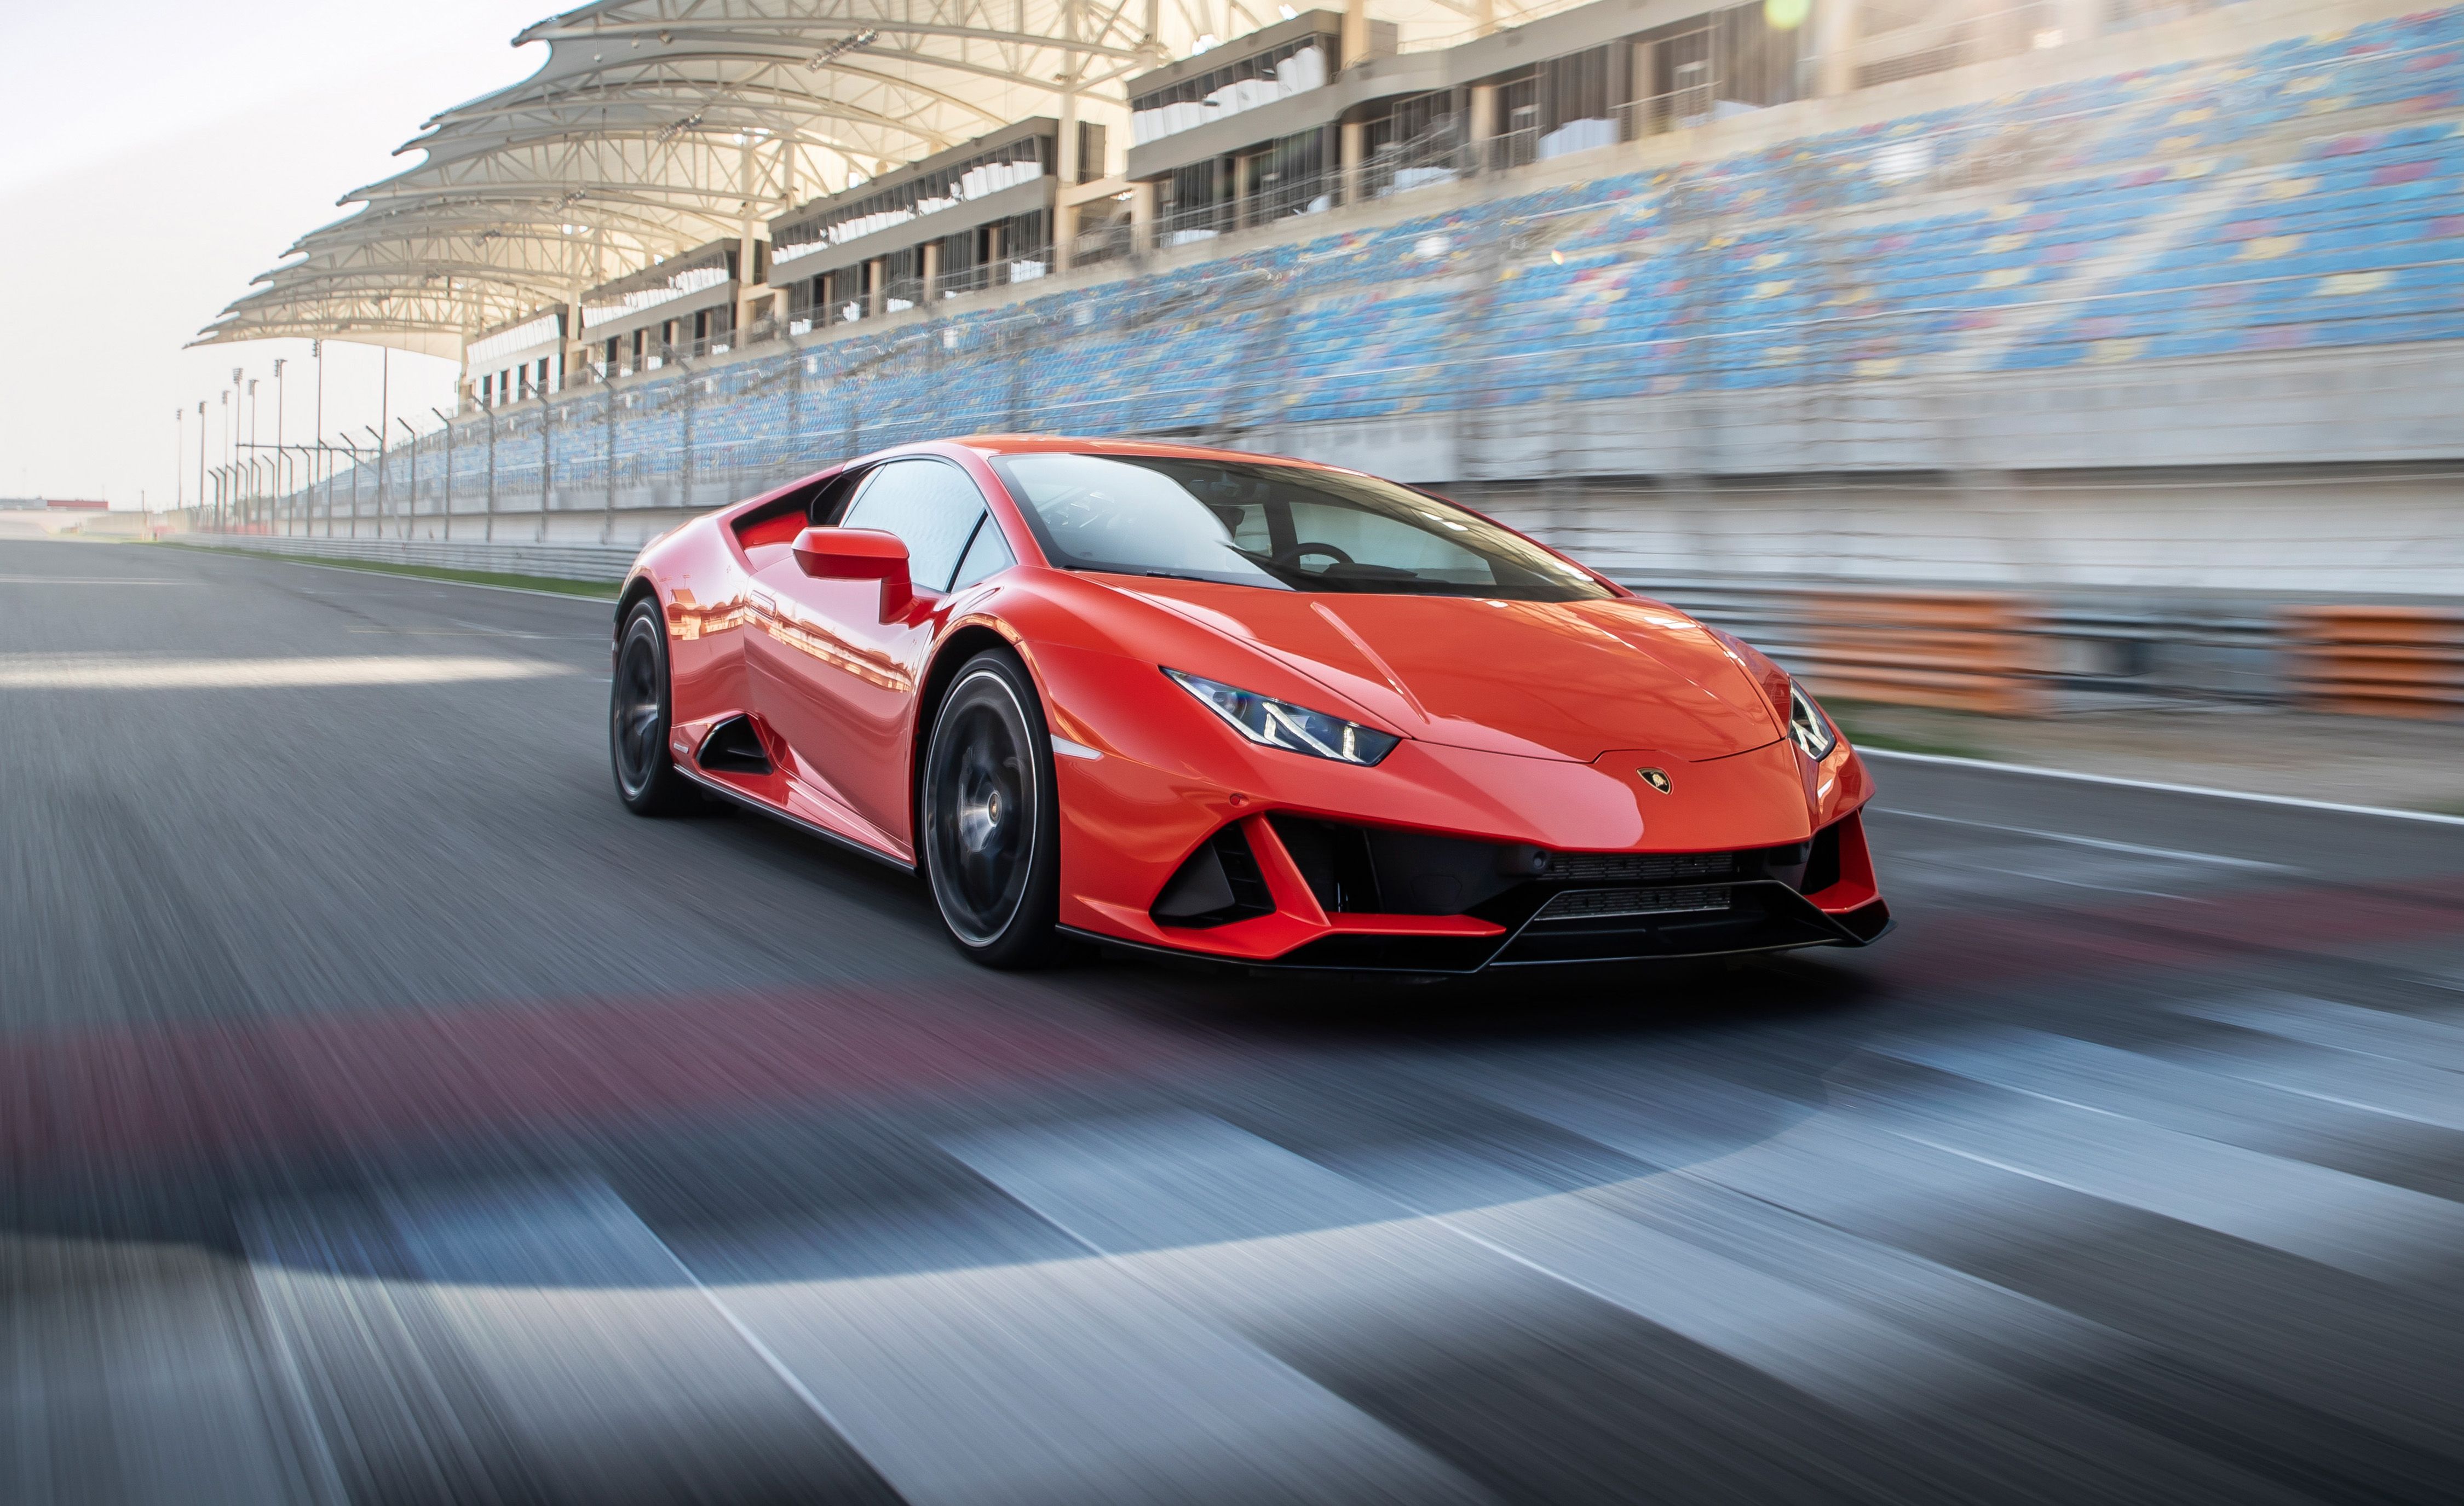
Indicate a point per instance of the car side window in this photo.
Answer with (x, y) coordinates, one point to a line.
(987, 554)
(829, 502)
(929, 503)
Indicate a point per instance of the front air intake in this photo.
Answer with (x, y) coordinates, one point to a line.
(1218, 885)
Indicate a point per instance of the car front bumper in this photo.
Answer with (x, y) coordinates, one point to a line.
(1165, 784)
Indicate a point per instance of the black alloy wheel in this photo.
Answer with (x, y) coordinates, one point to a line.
(991, 831)
(647, 777)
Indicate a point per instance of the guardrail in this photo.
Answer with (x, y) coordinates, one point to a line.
(1965, 651)
(557, 561)
(1986, 650)
(2376, 661)
(2000, 652)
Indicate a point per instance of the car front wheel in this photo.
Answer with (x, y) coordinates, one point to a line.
(991, 827)
(638, 712)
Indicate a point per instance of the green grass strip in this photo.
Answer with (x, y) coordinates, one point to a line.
(592, 591)
(1854, 718)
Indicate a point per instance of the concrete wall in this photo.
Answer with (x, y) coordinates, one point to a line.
(2356, 405)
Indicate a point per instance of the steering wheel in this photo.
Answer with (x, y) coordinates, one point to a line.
(1293, 556)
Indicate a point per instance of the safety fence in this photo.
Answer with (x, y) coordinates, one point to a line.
(2377, 661)
(1995, 653)
(1999, 652)
(1966, 651)
(547, 562)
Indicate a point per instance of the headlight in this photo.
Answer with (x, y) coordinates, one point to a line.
(1295, 729)
(1807, 726)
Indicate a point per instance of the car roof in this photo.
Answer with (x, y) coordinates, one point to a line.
(1067, 444)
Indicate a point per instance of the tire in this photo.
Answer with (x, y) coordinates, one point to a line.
(991, 825)
(638, 716)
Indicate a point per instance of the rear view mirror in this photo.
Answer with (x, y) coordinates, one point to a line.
(859, 554)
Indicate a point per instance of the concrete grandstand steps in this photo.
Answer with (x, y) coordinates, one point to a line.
(2062, 280)
(2125, 255)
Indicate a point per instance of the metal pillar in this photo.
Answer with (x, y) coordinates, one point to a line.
(488, 531)
(547, 464)
(607, 518)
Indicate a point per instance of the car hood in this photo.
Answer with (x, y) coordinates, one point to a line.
(1551, 679)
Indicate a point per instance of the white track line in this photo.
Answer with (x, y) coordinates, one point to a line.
(1993, 766)
(2176, 855)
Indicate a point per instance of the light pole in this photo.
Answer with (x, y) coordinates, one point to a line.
(222, 496)
(179, 452)
(281, 456)
(489, 532)
(255, 487)
(547, 464)
(378, 435)
(607, 393)
(446, 507)
(316, 352)
(411, 512)
(384, 421)
(200, 463)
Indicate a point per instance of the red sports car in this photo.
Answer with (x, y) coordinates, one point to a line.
(1235, 707)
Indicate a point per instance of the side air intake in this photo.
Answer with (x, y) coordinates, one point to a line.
(733, 747)
(1220, 884)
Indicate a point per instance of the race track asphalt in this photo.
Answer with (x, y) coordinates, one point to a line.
(390, 1117)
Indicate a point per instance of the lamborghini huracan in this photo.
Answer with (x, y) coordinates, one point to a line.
(1228, 706)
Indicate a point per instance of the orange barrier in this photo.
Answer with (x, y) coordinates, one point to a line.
(2376, 661)
(1966, 651)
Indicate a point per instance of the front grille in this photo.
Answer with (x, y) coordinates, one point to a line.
(1600, 904)
(1639, 867)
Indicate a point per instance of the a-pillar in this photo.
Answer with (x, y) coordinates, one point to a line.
(1834, 47)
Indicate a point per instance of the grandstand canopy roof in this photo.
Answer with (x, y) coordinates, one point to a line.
(658, 126)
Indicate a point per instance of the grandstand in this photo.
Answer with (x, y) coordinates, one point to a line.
(1971, 264)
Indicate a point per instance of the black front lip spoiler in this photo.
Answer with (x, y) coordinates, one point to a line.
(1294, 962)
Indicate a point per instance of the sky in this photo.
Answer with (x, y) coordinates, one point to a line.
(157, 156)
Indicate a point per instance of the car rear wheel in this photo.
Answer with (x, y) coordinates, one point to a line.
(638, 711)
(991, 827)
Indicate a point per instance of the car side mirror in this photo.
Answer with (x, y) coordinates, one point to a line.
(859, 554)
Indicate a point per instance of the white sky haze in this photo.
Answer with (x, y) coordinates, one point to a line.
(157, 156)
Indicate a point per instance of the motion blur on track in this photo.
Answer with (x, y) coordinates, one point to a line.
(1253, 710)
(391, 1117)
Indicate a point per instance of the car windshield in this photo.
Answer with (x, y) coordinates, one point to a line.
(1282, 527)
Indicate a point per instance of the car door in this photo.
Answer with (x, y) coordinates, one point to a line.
(839, 682)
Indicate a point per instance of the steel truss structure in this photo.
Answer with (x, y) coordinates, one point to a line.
(655, 126)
